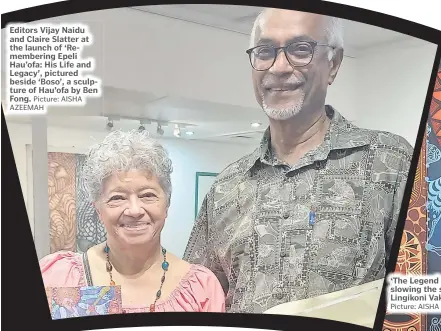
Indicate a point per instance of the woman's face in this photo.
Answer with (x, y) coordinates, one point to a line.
(133, 208)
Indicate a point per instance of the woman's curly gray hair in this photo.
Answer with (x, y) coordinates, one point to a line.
(124, 151)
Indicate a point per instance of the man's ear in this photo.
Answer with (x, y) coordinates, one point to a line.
(335, 64)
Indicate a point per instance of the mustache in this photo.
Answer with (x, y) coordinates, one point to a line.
(269, 83)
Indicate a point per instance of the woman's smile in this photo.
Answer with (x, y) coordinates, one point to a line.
(135, 226)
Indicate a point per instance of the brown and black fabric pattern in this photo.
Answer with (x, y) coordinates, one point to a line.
(254, 230)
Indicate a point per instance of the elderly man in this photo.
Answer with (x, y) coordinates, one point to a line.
(313, 209)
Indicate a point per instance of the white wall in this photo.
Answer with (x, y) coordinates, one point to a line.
(196, 62)
(391, 87)
(382, 89)
(342, 94)
(188, 157)
(386, 80)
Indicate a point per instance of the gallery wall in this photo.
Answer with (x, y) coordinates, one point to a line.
(383, 88)
(188, 157)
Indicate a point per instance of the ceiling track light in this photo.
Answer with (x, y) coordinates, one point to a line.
(141, 125)
(177, 131)
(109, 124)
(159, 129)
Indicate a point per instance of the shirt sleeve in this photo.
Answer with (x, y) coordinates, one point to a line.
(200, 248)
(400, 187)
(62, 269)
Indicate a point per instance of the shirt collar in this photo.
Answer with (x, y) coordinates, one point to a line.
(341, 135)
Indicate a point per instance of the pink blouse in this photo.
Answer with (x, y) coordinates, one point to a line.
(198, 291)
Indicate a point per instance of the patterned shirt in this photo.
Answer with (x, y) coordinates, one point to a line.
(274, 233)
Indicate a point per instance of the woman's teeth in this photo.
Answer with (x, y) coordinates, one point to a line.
(135, 225)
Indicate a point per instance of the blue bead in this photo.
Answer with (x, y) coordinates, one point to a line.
(106, 249)
(165, 265)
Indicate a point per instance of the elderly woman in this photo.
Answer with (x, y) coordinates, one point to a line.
(128, 180)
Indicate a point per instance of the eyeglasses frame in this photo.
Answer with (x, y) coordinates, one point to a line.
(311, 43)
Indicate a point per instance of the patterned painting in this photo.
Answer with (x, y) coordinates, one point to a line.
(420, 250)
(433, 246)
(74, 224)
(69, 302)
(411, 256)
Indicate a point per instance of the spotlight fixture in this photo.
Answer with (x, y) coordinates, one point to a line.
(142, 123)
(189, 133)
(255, 125)
(109, 125)
(159, 130)
(177, 131)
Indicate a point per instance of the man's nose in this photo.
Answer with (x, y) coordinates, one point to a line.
(281, 65)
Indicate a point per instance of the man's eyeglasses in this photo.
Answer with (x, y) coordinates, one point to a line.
(299, 54)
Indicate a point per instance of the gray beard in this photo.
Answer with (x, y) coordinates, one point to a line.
(283, 113)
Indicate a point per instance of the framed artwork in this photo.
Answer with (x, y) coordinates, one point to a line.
(74, 223)
(420, 249)
(204, 180)
(68, 302)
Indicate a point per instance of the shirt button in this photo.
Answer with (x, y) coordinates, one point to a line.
(282, 254)
(286, 215)
(280, 295)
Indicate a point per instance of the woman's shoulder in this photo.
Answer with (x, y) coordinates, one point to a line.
(191, 270)
(202, 273)
(62, 268)
(198, 289)
(205, 288)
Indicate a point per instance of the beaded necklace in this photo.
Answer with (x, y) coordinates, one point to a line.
(164, 266)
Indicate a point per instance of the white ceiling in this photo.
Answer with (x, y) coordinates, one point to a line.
(210, 119)
(241, 18)
(223, 122)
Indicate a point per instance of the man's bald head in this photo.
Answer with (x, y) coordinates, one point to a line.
(333, 27)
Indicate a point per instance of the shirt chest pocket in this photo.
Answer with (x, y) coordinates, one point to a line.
(338, 228)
